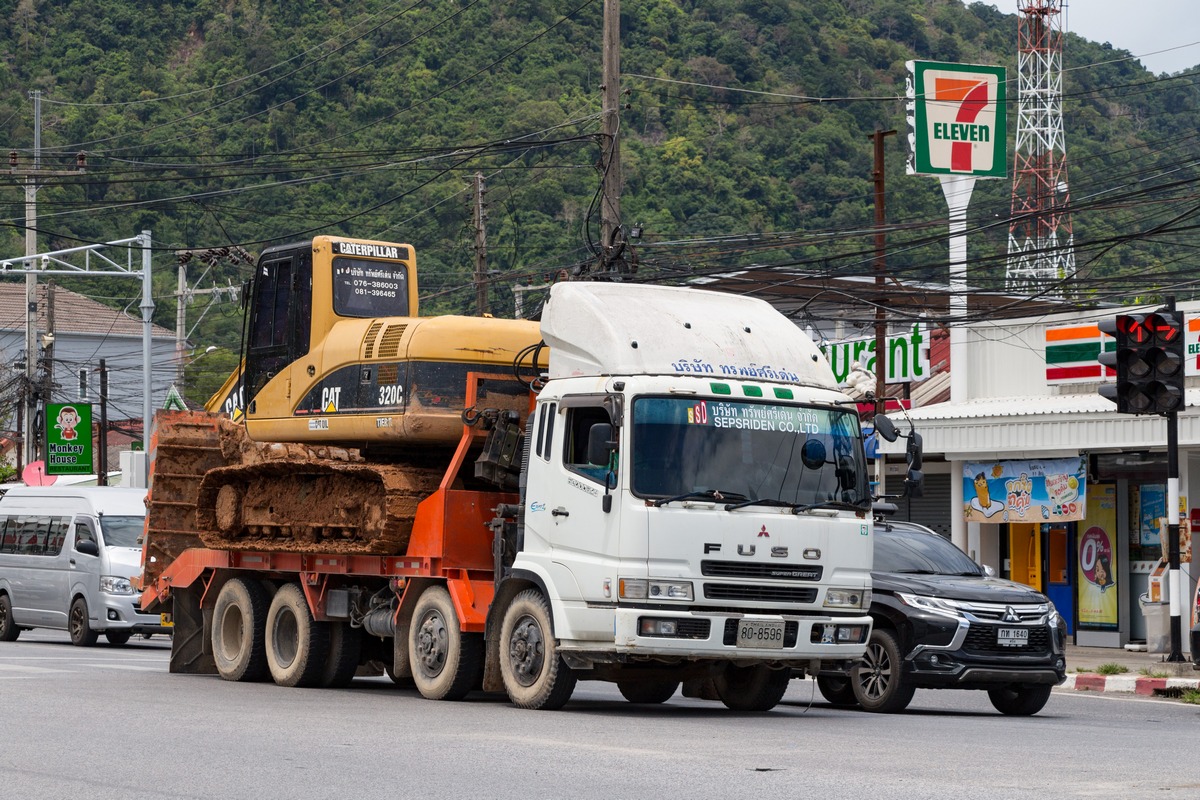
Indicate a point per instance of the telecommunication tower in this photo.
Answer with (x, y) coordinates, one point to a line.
(1041, 247)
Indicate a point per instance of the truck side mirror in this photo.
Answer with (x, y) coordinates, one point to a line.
(599, 445)
(885, 427)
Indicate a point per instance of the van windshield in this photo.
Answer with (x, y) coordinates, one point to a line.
(122, 531)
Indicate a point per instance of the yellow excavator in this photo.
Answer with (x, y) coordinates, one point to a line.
(340, 417)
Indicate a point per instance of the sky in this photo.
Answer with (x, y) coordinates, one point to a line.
(1141, 27)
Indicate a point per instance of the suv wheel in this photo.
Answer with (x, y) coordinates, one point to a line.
(1019, 701)
(878, 681)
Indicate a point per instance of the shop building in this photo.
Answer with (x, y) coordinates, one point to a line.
(1050, 486)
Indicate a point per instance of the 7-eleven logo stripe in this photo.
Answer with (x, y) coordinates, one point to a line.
(972, 96)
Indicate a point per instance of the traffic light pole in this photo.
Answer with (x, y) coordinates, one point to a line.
(1174, 584)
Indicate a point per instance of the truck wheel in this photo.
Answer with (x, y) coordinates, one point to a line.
(533, 671)
(345, 646)
(757, 688)
(297, 645)
(838, 691)
(1020, 701)
(8, 626)
(646, 692)
(117, 637)
(78, 625)
(878, 681)
(446, 663)
(239, 625)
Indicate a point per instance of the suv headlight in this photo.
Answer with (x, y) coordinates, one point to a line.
(848, 598)
(934, 605)
(642, 589)
(111, 584)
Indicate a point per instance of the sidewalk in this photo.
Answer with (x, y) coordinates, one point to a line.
(1147, 673)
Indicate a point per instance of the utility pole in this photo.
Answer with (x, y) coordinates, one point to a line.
(48, 349)
(29, 179)
(479, 216)
(610, 189)
(102, 469)
(880, 270)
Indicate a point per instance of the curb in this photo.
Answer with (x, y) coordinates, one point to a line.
(1129, 684)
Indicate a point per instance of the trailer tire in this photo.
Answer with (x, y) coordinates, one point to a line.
(645, 692)
(297, 645)
(79, 626)
(756, 688)
(446, 663)
(239, 625)
(345, 647)
(8, 626)
(534, 674)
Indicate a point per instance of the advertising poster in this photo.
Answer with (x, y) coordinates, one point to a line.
(69, 439)
(1096, 568)
(1152, 505)
(1050, 490)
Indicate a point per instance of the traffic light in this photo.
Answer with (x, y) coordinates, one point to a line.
(1148, 360)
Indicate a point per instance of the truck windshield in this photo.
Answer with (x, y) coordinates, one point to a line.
(797, 454)
(122, 531)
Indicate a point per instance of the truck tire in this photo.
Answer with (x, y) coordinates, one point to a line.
(756, 688)
(8, 626)
(79, 626)
(1020, 701)
(446, 663)
(838, 691)
(878, 681)
(297, 645)
(644, 692)
(239, 624)
(345, 646)
(118, 637)
(534, 674)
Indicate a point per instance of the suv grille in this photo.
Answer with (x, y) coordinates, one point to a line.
(982, 639)
(996, 612)
(766, 594)
(740, 569)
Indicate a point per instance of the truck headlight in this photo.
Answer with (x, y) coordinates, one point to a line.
(642, 589)
(111, 584)
(848, 598)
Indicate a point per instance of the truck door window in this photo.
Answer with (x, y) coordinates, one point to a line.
(545, 429)
(575, 456)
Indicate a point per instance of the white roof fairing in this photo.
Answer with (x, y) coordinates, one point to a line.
(596, 329)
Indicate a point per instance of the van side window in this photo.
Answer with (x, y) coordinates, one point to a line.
(8, 535)
(31, 541)
(58, 534)
(84, 533)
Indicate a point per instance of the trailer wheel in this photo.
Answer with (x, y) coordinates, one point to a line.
(757, 688)
(446, 663)
(345, 646)
(239, 624)
(534, 673)
(647, 692)
(8, 627)
(297, 645)
(79, 626)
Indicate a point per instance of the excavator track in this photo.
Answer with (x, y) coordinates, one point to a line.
(312, 506)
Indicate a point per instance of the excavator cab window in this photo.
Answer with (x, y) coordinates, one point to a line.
(280, 317)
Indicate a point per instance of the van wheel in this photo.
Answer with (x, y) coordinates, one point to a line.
(535, 676)
(239, 631)
(117, 637)
(81, 631)
(297, 645)
(8, 627)
(446, 663)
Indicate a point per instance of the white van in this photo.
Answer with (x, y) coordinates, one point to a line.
(66, 557)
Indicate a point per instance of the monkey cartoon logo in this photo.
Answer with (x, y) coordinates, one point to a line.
(68, 421)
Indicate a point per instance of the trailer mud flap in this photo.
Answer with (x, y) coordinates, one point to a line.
(190, 651)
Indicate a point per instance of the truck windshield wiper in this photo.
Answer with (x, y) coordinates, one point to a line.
(705, 494)
(842, 504)
(762, 501)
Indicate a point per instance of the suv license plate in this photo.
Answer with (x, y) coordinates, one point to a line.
(1012, 637)
(760, 633)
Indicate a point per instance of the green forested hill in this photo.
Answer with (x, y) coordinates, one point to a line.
(745, 140)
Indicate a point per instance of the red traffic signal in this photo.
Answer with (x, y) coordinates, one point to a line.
(1148, 361)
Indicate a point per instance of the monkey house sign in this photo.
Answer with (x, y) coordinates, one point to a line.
(956, 119)
(69, 439)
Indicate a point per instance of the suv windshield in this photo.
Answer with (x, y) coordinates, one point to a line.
(919, 552)
(122, 531)
(797, 454)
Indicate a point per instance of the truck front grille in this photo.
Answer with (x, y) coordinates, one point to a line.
(758, 592)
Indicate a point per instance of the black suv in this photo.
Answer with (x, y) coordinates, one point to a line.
(941, 622)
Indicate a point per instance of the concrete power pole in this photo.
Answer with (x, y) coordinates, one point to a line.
(610, 191)
(48, 350)
(479, 216)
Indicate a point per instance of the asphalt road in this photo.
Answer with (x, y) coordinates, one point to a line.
(111, 722)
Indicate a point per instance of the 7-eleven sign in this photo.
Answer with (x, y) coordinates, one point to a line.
(956, 120)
